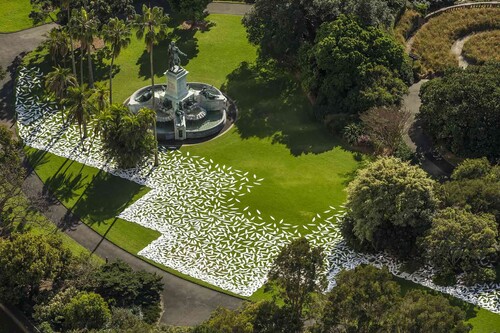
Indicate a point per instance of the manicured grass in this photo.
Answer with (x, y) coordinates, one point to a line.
(482, 47)
(94, 196)
(212, 55)
(434, 40)
(15, 15)
(276, 137)
(97, 198)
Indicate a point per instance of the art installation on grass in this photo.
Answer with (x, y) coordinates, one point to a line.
(195, 204)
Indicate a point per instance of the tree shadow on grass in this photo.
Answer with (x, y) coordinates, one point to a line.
(104, 198)
(271, 104)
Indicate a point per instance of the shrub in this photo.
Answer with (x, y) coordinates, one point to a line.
(461, 110)
(127, 137)
(390, 204)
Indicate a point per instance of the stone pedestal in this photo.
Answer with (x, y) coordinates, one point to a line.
(177, 88)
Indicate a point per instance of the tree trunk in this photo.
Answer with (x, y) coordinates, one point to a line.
(72, 50)
(89, 60)
(84, 129)
(81, 66)
(111, 81)
(153, 90)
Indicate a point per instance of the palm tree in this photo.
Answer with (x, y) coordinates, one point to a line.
(152, 26)
(79, 107)
(65, 6)
(58, 82)
(84, 26)
(100, 97)
(58, 44)
(117, 34)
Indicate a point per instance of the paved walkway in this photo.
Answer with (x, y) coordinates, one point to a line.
(228, 8)
(457, 50)
(185, 303)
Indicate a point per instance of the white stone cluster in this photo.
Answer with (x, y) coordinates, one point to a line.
(195, 204)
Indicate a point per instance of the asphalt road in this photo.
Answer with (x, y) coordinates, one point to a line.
(185, 303)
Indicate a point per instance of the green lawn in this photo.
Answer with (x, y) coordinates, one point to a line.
(15, 15)
(276, 137)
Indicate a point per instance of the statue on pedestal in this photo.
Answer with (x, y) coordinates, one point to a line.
(174, 60)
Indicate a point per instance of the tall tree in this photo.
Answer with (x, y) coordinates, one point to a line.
(58, 43)
(422, 312)
(461, 110)
(461, 242)
(351, 68)
(58, 82)
(385, 127)
(84, 26)
(117, 35)
(86, 311)
(66, 5)
(25, 261)
(126, 136)
(190, 10)
(100, 97)
(152, 26)
(359, 301)
(11, 179)
(79, 107)
(389, 205)
(298, 272)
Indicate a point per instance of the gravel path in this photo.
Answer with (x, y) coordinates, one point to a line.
(228, 8)
(185, 303)
(457, 49)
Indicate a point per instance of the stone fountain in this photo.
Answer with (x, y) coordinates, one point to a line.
(184, 110)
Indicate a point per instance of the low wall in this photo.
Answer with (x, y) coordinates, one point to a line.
(487, 4)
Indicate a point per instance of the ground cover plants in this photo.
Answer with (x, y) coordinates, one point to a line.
(482, 47)
(434, 40)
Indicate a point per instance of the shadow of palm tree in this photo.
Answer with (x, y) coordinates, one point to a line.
(271, 104)
(103, 199)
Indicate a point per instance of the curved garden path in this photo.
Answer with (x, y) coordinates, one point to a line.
(221, 7)
(184, 303)
(457, 49)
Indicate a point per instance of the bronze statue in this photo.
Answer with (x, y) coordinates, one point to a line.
(174, 60)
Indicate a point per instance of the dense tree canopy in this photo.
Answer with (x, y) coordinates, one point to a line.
(461, 110)
(121, 286)
(25, 261)
(389, 204)
(127, 137)
(351, 68)
(280, 27)
(421, 312)
(475, 186)
(359, 301)
(192, 10)
(103, 10)
(298, 272)
(86, 311)
(461, 242)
